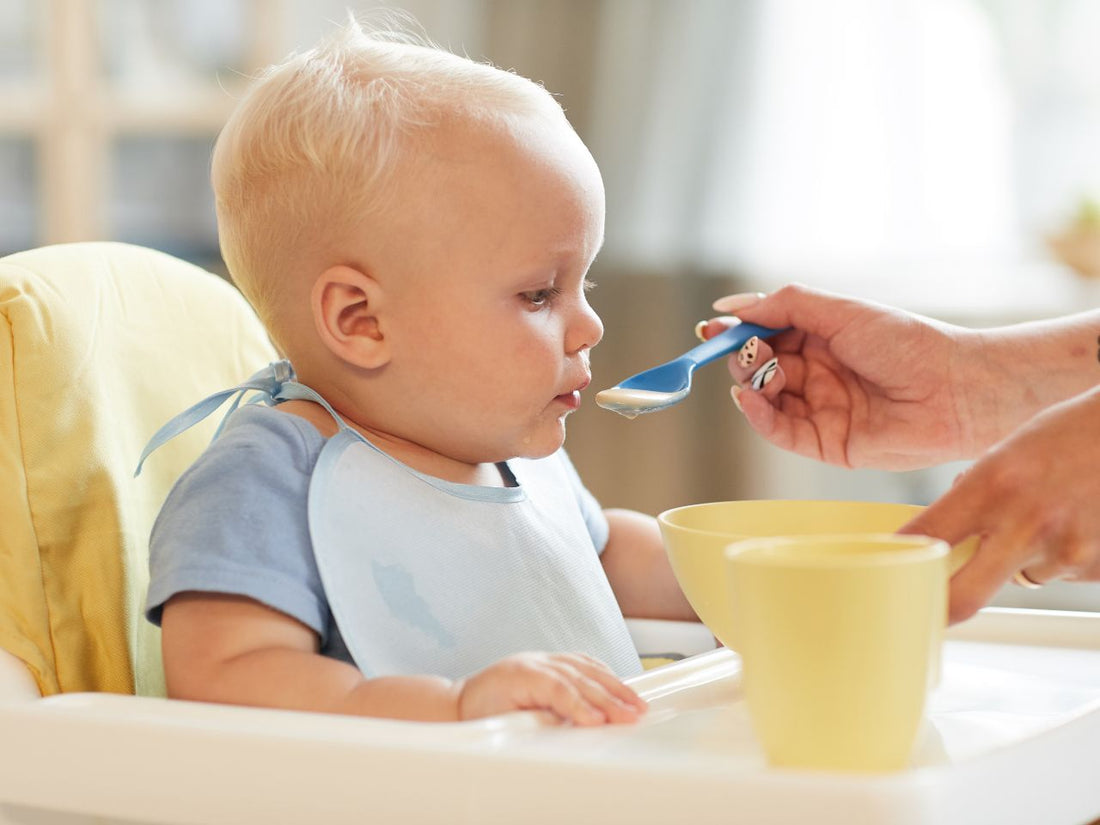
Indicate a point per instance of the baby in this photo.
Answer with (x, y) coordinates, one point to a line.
(399, 532)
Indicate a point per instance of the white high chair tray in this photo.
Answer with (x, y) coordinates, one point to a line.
(1013, 736)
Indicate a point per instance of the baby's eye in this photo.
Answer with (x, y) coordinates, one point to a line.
(541, 297)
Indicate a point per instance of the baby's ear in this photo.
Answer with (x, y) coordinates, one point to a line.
(345, 304)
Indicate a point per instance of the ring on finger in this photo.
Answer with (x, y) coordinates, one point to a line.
(1025, 581)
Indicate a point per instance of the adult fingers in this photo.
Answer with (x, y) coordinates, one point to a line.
(998, 556)
(754, 365)
(705, 330)
(789, 341)
(744, 363)
(1007, 540)
(810, 310)
(1062, 551)
(955, 515)
(788, 424)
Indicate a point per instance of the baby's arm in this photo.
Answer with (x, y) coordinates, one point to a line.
(637, 567)
(234, 650)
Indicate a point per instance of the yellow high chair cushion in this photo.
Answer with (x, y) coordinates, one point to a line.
(100, 344)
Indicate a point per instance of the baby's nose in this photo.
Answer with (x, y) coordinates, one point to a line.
(586, 331)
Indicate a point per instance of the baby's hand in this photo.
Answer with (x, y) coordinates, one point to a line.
(573, 686)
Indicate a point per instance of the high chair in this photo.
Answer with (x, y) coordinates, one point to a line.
(101, 341)
(100, 344)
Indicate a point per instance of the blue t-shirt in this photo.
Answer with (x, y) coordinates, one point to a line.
(237, 522)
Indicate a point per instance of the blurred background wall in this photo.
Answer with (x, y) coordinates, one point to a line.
(918, 152)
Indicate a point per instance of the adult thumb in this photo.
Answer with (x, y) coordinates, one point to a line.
(806, 309)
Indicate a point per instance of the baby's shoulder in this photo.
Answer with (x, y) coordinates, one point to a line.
(260, 439)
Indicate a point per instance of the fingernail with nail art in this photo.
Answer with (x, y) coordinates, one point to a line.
(763, 376)
(747, 355)
(735, 393)
(699, 330)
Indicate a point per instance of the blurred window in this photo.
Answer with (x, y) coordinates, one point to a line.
(160, 195)
(159, 43)
(18, 33)
(18, 198)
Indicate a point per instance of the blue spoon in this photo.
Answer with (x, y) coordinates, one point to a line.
(669, 383)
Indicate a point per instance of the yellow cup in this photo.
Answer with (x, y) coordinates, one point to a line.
(697, 535)
(840, 638)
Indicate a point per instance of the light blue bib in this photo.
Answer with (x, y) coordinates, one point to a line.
(428, 576)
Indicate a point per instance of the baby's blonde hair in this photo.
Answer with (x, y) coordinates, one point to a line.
(312, 149)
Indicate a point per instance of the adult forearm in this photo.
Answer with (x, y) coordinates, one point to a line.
(1013, 373)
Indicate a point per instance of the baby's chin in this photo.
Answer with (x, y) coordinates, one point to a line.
(533, 447)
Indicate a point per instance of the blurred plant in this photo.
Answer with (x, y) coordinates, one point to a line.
(1077, 245)
(1087, 216)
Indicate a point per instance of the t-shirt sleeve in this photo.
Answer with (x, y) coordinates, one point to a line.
(237, 522)
(591, 510)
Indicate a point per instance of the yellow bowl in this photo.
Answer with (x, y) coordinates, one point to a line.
(695, 537)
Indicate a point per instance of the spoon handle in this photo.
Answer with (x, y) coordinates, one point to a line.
(726, 342)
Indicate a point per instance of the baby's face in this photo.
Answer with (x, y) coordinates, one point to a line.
(490, 328)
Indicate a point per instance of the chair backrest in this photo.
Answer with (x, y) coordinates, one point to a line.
(100, 344)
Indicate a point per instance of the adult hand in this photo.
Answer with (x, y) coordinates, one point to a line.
(858, 384)
(1033, 500)
(574, 687)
